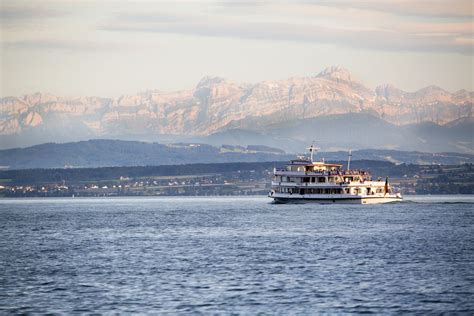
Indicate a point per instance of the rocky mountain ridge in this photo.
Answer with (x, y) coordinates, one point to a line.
(216, 104)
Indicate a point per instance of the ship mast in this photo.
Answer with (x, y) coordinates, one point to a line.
(349, 159)
(312, 149)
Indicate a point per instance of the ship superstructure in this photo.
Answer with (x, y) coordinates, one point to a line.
(304, 180)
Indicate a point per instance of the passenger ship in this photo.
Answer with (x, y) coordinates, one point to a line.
(304, 180)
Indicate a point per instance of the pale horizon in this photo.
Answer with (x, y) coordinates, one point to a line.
(192, 86)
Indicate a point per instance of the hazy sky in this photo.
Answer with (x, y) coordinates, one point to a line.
(109, 48)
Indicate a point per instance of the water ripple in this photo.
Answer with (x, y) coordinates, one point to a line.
(235, 255)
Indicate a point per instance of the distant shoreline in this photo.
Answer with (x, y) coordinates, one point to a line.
(225, 179)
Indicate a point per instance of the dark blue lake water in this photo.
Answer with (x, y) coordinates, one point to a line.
(242, 255)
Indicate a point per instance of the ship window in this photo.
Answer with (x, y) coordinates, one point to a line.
(313, 179)
(306, 179)
(321, 179)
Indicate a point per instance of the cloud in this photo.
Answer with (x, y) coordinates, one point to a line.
(59, 44)
(421, 8)
(365, 24)
(12, 13)
(426, 8)
(411, 37)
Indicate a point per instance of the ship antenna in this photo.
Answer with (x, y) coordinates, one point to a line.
(312, 149)
(349, 159)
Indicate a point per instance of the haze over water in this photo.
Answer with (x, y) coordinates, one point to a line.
(244, 255)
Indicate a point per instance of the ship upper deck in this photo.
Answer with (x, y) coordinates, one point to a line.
(302, 167)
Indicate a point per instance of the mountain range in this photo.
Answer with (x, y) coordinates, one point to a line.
(332, 107)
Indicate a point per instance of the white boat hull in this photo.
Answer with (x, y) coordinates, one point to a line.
(340, 199)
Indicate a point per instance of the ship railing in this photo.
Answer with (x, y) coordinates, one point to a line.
(326, 173)
(358, 182)
(310, 184)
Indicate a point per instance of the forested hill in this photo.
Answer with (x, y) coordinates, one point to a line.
(110, 153)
